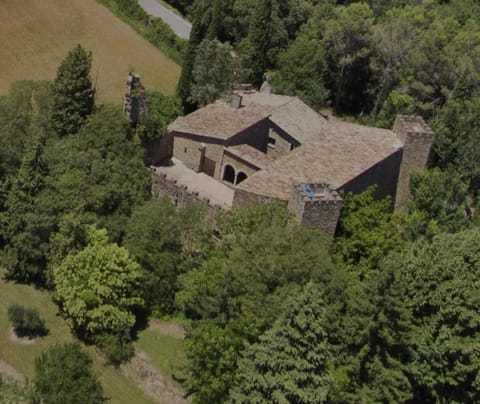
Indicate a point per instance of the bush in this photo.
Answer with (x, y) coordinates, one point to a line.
(26, 321)
(116, 348)
(63, 375)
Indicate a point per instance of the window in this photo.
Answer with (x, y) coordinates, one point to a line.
(271, 142)
(184, 149)
(293, 146)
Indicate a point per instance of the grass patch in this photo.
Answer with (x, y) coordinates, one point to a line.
(39, 34)
(166, 351)
(117, 387)
(153, 29)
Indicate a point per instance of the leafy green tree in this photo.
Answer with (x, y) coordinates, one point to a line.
(457, 139)
(153, 238)
(73, 92)
(438, 283)
(302, 68)
(212, 353)
(290, 361)
(163, 110)
(213, 73)
(99, 174)
(98, 288)
(438, 204)
(367, 232)
(26, 321)
(63, 374)
(262, 257)
(346, 37)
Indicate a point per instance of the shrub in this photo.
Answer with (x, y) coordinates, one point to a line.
(26, 321)
(116, 348)
(63, 375)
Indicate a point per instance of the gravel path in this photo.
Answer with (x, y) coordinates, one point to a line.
(151, 381)
(179, 25)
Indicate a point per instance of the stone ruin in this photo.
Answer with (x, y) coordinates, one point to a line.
(135, 102)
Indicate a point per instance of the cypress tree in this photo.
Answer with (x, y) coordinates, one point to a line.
(258, 39)
(73, 92)
(289, 363)
(184, 87)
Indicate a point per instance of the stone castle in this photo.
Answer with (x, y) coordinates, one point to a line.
(269, 148)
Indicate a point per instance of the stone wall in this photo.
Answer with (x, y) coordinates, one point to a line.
(283, 142)
(244, 199)
(159, 151)
(383, 174)
(191, 149)
(135, 103)
(180, 195)
(255, 136)
(417, 138)
(317, 209)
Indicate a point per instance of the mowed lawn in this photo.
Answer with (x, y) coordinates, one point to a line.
(118, 388)
(37, 35)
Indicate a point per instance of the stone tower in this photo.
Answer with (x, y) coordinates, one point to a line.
(135, 102)
(315, 206)
(417, 139)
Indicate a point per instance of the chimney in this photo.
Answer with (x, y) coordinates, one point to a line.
(236, 101)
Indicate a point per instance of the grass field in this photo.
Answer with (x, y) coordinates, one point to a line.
(37, 35)
(165, 348)
(162, 349)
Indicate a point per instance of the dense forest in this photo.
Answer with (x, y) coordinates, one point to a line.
(387, 311)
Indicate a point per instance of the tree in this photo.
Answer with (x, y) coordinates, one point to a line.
(346, 38)
(73, 92)
(26, 321)
(184, 87)
(259, 39)
(290, 361)
(438, 281)
(63, 375)
(263, 256)
(24, 228)
(302, 68)
(212, 353)
(99, 174)
(438, 204)
(98, 288)
(367, 232)
(153, 238)
(213, 73)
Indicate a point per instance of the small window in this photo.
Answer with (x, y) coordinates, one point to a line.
(184, 149)
(293, 146)
(271, 142)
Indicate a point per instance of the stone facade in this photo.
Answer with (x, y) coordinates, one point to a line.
(181, 195)
(135, 101)
(315, 206)
(417, 139)
(258, 145)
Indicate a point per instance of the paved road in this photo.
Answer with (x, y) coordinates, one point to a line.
(179, 25)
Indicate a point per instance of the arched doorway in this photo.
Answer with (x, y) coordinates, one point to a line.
(229, 174)
(241, 176)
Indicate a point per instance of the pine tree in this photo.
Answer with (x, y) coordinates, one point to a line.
(184, 87)
(73, 92)
(290, 361)
(258, 40)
